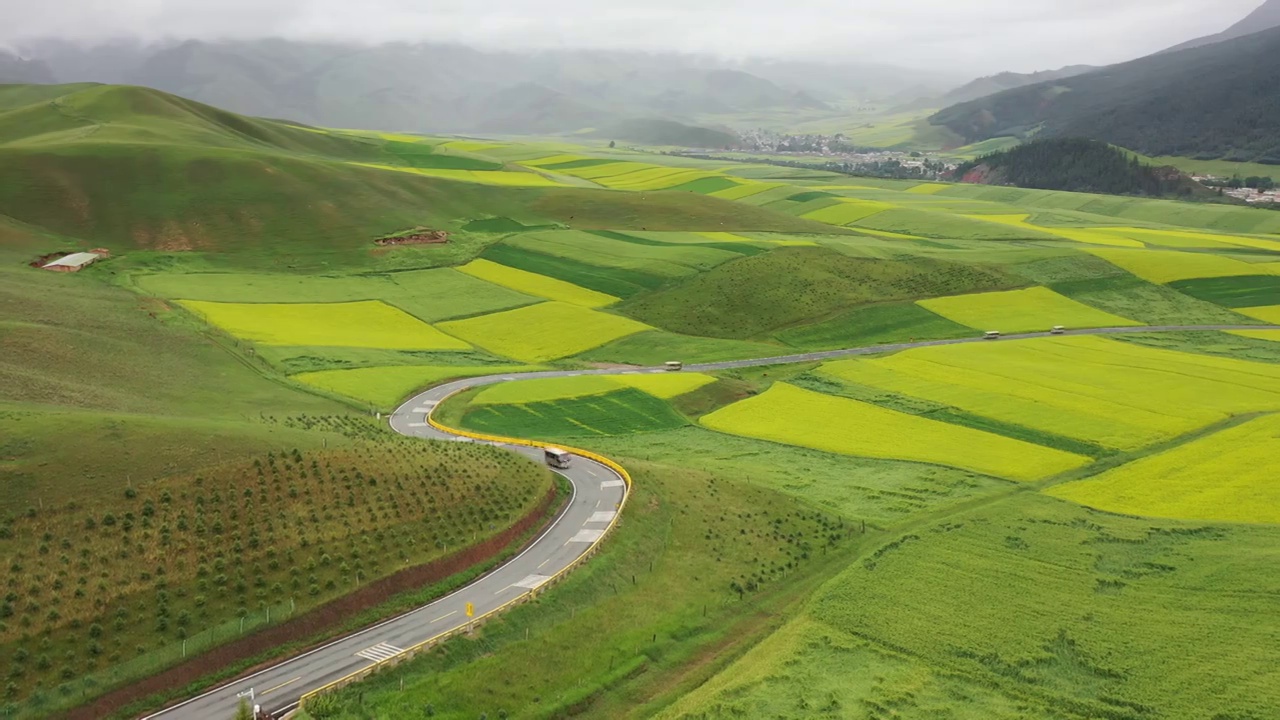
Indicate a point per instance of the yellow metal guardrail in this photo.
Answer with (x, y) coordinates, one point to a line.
(437, 639)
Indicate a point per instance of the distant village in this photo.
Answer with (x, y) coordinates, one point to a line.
(835, 153)
(1253, 190)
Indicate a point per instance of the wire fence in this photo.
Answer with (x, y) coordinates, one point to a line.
(79, 690)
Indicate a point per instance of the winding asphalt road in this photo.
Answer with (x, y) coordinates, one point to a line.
(597, 492)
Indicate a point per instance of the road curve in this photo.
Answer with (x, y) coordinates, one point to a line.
(597, 492)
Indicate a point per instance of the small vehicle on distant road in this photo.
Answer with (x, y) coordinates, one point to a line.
(558, 458)
(1058, 330)
(673, 366)
(991, 335)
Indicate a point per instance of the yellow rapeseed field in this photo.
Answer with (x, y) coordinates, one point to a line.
(1112, 393)
(547, 331)
(368, 324)
(745, 190)
(535, 284)
(666, 385)
(1269, 314)
(1029, 310)
(849, 211)
(1228, 476)
(1166, 266)
(794, 416)
(928, 189)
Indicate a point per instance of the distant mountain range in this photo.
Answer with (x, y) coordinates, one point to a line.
(1220, 100)
(15, 69)
(1264, 18)
(451, 88)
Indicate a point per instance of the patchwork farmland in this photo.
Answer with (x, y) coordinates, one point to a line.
(1069, 527)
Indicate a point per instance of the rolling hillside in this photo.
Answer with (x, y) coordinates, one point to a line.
(1216, 101)
(137, 168)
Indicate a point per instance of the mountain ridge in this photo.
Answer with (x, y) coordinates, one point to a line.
(1217, 101)
(1265, 17)
(445, 88)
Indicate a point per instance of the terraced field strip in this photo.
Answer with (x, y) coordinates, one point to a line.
(534, 284)
(1118, 395)
(1228, 476)
(794, 416)
(369, 324)
(483, 177)
(1037, 308)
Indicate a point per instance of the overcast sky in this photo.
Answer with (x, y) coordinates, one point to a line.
(974, 36)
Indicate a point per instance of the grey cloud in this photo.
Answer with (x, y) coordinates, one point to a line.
(977, 35)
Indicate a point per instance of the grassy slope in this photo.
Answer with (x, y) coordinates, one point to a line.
(87, 366)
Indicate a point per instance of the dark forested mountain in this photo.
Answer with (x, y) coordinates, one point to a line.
(449, 88)
(15, 69)
(1264, 18)
(1077, 165)
(1215, 101)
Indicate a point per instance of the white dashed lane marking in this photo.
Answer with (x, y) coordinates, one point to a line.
(380, 652)
(533, 582)
(586, 536)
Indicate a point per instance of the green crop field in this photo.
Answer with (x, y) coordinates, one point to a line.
(359, 324)
(1225, 477)
(1116, 394)
(542, 332)
(614, 413)
(1145, 302)
(787, 413)
(1032, 309)
(1233, 292)
(874, 325)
